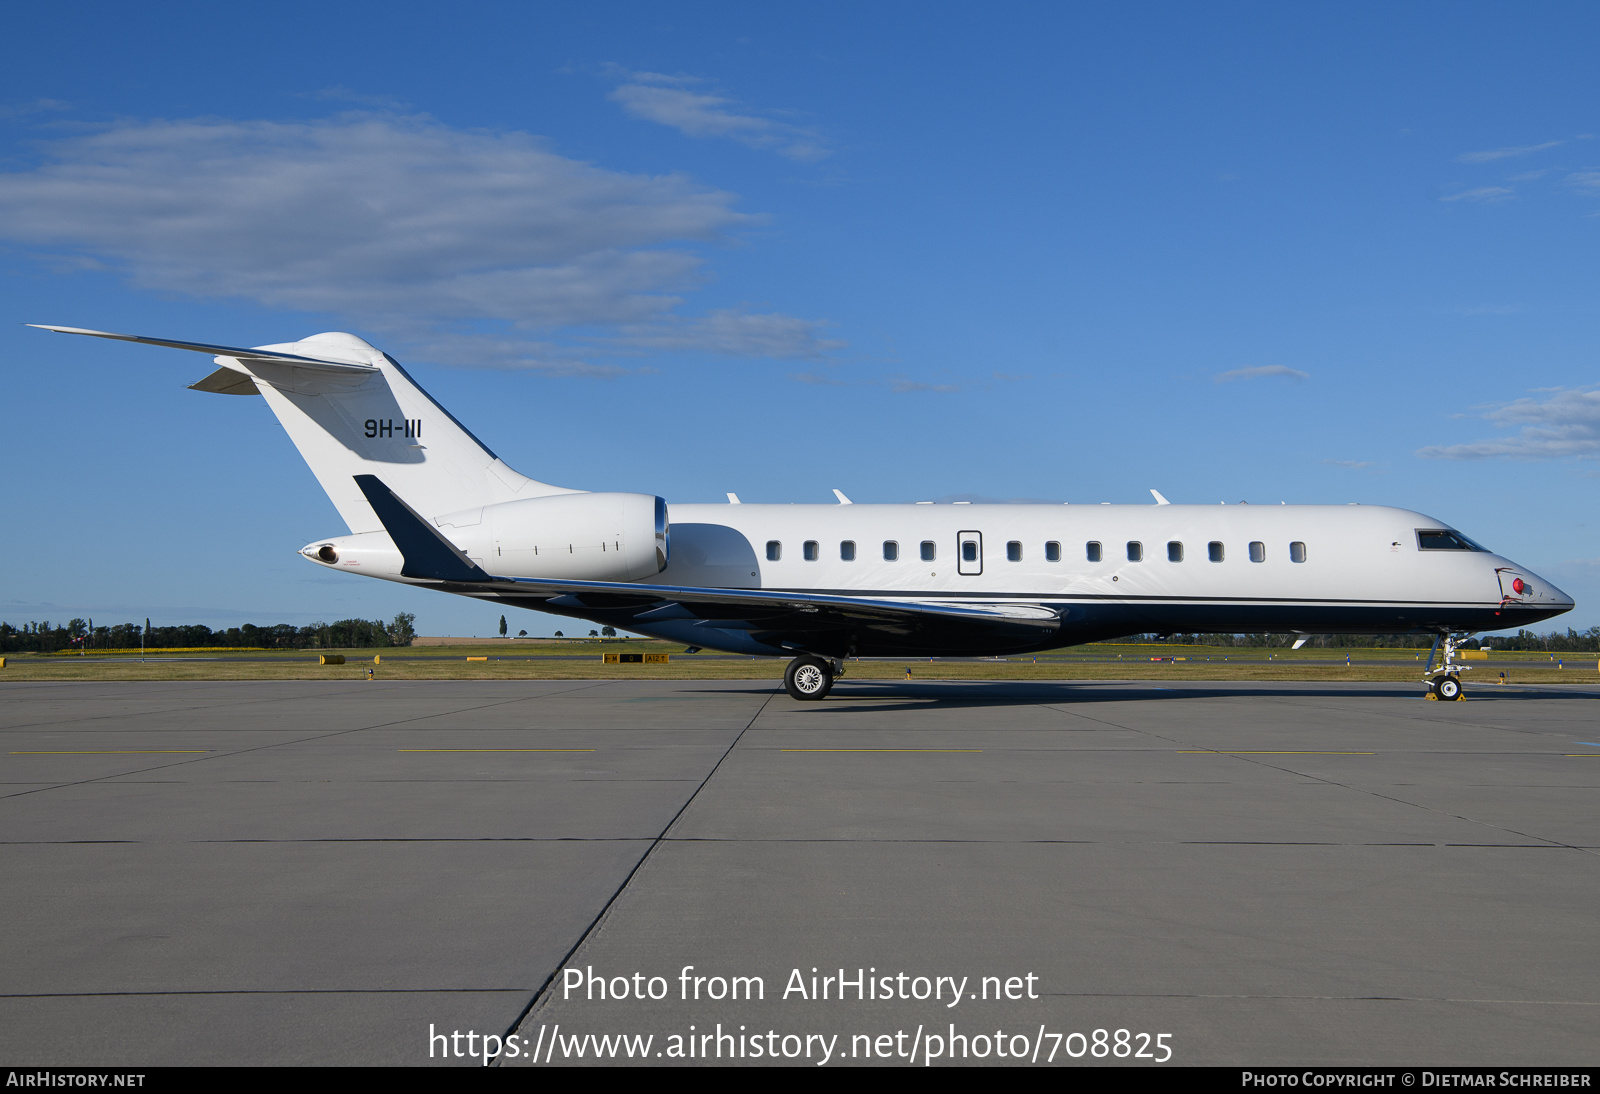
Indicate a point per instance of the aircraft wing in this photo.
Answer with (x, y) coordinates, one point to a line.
(761, 602)
(779, 618)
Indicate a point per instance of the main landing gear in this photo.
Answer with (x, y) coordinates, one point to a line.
(1445, 683)
(810, 677)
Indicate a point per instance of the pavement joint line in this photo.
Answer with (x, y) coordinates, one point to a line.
(302, 740)
(1262, 752)
(47, 686)
(494, 750)
(117, 752)
(1413, 716)
(254, 991)
(1544, 841)
(171, 710)
(646, 838)
(600, 917)
(1249, 758)
(1323, 998)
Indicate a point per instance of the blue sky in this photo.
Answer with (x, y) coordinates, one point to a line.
(1263, 252)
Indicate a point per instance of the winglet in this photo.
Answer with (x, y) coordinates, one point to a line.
(842, 499)
(427, 553)
(1159, 499)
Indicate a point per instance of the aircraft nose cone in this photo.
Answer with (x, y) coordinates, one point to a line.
(1544, 593)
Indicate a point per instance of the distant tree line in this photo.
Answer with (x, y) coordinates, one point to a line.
(1555, 642)
(43, 637)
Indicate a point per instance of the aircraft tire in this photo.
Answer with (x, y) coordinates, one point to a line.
(1448, 688)
(808, 678)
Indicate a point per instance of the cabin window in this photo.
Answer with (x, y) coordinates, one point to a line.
(891, 550)
(774, 550)
(1052, 551)
(1091, 551)
(847, 551)
(927, 550)
(810, 550)
(1214, 551)
(1135, 550)
(969, 550)
(1174, 551)
(1014, 551)
(1258, 551)
(1297, 552)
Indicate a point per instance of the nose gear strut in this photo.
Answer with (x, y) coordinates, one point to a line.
(1445, 681)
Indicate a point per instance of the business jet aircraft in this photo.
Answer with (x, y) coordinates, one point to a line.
(429, 504)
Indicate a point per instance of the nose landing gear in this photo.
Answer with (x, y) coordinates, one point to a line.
(1445, 682)
(809, 677)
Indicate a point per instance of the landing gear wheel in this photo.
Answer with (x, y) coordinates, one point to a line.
(808, 678)
(1448, 687)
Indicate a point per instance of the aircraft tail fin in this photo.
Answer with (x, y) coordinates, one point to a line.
(352, 411)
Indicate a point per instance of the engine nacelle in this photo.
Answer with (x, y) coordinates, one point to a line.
(585, 537)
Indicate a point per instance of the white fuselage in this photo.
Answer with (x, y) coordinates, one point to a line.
(1231, 568)
(1362, 553)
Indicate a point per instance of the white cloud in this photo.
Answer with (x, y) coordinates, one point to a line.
(1587, 181)
(673, 101)
(486, 351)
(36, 106)
(399, 224)
(1481, 194)
(1566, 423)
(735, 333)
(1261, 370)
(901, 386)
(1505, 153)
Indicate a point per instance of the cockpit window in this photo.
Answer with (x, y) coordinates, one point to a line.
(1443, 539)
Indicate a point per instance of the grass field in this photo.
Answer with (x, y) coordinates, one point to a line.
(534, 660)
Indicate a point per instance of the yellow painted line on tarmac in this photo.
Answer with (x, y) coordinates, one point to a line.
(1580, 755)
(494, 750)
(1242, 752)
(880, 750)
(121, 752)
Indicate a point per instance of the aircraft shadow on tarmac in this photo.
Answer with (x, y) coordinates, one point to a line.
(914, 695)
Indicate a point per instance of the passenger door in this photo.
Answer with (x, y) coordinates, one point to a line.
(969, 553)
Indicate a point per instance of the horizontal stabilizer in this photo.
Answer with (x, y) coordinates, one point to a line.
(227, 381)
(428, 555)
(246, 355)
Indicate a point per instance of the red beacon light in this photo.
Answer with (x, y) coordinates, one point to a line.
(1519, 586)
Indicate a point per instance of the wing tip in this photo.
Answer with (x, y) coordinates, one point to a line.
(74, 330)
